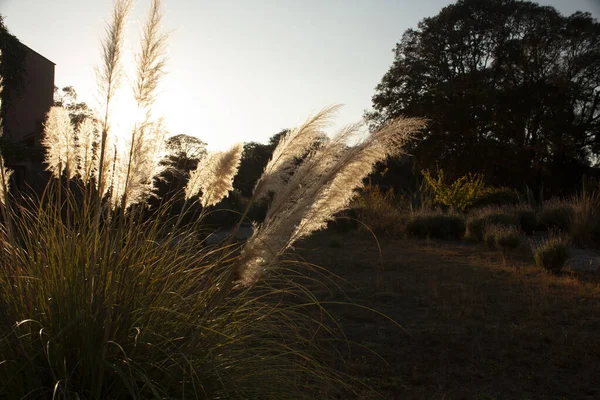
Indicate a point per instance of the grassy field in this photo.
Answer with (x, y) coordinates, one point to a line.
(473, 328)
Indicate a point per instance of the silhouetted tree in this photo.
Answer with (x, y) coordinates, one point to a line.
(78, 110)
(254, 159)
(511, 89)
(12, 65)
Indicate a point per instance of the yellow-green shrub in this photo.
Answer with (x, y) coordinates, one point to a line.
(457, 195)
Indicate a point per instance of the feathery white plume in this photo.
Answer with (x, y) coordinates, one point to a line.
(136, 167)
(294, 144)
(59, 141)
(322, 186)
(151, 58)
(109, 76)
(87, 154)
(140, 163)
(214, 176)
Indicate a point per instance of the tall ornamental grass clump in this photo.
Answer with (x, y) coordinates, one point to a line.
(584, 223)
(98, 301)
(556, 215)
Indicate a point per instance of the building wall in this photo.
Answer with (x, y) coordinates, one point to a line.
(28, 107)
(24, 117)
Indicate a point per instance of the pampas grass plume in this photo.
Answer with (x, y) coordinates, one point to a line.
(87, 156)
(296, 143)
(109, 76)
(322, 186)
(60, 143)
(214, 176)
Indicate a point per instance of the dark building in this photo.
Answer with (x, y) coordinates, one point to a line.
(25, 112)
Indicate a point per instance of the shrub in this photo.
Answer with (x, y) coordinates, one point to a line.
(556, 214)
(528, 220)
(489, 236)
(584, 225)
(495, 197)
(478, 220)
(551, 255)
(507, 239)
(376, 211)
(458, 195)
(435, 225)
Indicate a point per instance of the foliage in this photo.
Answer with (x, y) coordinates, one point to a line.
(78, 110)
(492, 196)
(478, 219)
(255, 157)
(528, 220)
(12, 67)
(458, 195)
(551, 255)
(376, 210)
(584, 224)
(17, 151)
(510, 88)
(556, 214)
(435, 225)
(507, 238)
(489, 236)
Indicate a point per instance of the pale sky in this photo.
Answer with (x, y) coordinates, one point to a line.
(241, 70)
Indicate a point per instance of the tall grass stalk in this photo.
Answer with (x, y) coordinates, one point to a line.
(109, 76)
(146, 149)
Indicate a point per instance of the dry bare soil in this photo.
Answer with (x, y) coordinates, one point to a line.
(473, 328)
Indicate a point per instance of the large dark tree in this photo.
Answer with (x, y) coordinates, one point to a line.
(511, 88)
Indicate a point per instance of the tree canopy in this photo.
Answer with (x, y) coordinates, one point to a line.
(511, 89)
(78, 110)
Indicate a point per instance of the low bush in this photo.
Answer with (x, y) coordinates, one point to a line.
(584, 224)
(502, 237)
(489, 236)
(495, 197)
(551, 255)
(507, 238)
(458, 195)
(528, 220)
(376, 211)
(435, 225)
(477, 222)
(556, 214)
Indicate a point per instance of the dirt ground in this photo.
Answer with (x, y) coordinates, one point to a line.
(472, 327)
